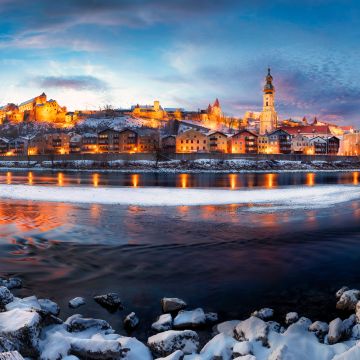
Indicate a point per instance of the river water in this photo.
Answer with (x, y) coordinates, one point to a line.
(223, 258)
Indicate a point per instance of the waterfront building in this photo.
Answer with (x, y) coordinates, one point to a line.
(350, 144)
(300, 144)
(192, 141)
(128, 141)
(4, 146)
(218, 142)
(268, 116)
(89, 143)
(149, 111)
(243, 142)
(168, 143)
(108, 141)
(277, 142)
(148, 140)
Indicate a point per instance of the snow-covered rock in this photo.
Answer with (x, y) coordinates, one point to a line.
(136, 349)
(76, 302)
(335, 331)
(357, 312)
(355, 332)
(49, 307)
(189, 318)
(348, 300)
(252, 329)
(351, 354)
(6, 296)
(211, 317)
(242, 348)
(177, 355)
(320, 329)
(131, 321)
(163, 323)
(275, 326)
(165, 343)
(77, 323)
(22, 328)
(226, 327)
(27, 303)
(11, 283)
(246, 357)
(347, 325)
(219, 347)
(172, 304)
(110, 301)
(291, 318)
(341, 291)
(6, 345)
(96, 348)
(264, 313)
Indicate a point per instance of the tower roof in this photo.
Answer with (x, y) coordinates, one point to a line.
(216, 103)
(269, 87)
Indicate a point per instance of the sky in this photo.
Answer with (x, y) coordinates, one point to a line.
(90, 53)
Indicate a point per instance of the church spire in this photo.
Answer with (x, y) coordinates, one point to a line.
(269, 87)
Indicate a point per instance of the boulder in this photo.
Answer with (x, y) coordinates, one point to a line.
(242, 348)
(49, 307)
(347, 326)
(163, 323)
(252, 329)
(351, 354)
(6, 345)
(219, 347)
(320, 329)
(264, 313)
(226, 327)
(304, 322)
(111, 301)
(77, 323)
(211, 317)
(189, 319)
(22, 328)
(11, 283)
(355, 332)
(275, 326)
(165, 343)
(135, 349)
(172, 304)
(76, 302)
(177, 355)
(27, 303)
(291, 318)
(96, 348)
(341, 291)
(348, 300)
(131, 321)
(357, 312)
(335, 331)
(6, 297)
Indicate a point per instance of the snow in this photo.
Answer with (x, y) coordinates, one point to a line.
(296, 196)
(28, 303)
(189, 318)
(163, 323)
(13, 320)
(76, 302)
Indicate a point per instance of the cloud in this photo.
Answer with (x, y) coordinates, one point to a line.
(71, 82)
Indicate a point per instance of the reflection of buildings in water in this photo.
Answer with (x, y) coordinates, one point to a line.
(310, 179)
(270, 180)
(135, 180)
(184, 180)
(95, 179)
(60, 179)
(30, 178)
(232, 180)
(8, 178)
(355, 178)
(250, 180)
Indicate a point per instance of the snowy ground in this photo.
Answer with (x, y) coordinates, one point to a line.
(294, 197)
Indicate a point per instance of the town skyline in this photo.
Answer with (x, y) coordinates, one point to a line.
(184, 54)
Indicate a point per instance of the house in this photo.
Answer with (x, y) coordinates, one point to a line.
(148, 140)
(18, 146)
(333, 145)
(89, 143)
(276, 142)
(350, 144)
(319, 144)
(168, 143)
(192, 141)
(128, 141)
(243, 142)
(108, 141)
(75, 144)
(300, 144)
(218, 142)
(4, 146)
(58, 143)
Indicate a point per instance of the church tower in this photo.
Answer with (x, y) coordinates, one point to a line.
(268, 117)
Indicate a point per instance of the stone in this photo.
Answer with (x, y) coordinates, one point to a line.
(226, 327)
(77, 323)
(131, 321)
(357, 312)
(252, 329)
(355, 332)
(22, 328)
(96, 349)
(167, 342)
(275, 326)
(264, 313)
(76, 302)
(49, 307)
(211, 317)
(242, 348)
(177, 355)
(27, 303)
(6, 345)
(347, 326)
(320, 329)
(111, 301)
(172, 304)
(341, 291)
(6, 296)
(11, 283)
(163, 323)
(291, 318)
(219, 347)
(335, 331)
(189, 319)
(348, 300)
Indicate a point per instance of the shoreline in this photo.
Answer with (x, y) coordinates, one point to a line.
(32, 327)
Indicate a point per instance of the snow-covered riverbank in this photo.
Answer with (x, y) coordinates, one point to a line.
(293, 197)
(32, 327)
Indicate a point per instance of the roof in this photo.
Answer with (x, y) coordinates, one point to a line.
(212, 132)
(245, 131)
(307, 129)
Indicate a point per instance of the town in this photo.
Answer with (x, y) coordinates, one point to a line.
(40, 126)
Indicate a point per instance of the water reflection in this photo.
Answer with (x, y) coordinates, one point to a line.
(135, 180)
(60, 179)
(184, 180)
(232, 179)
(355, 178)
(271, 180)
(8, 177)
(30, 178)
(96, 180)
(310, 179)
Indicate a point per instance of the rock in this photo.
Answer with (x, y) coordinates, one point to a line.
(76, 302)
(27, 303)
(111, 301)
(70, 357)
(131, 321)
(172, 304)
(165, 343)
(49, 307)
(136, 349)
(11, 283)
(211, 317)
(280, 353)
(335, 331)
(341, 291)
(357, 312)
(355, 332)
(242, 348)
(320, 329)
(177, 355)
(11, 355)
(6, 296)
(351, 354)
(189, 319)
(6, 345)
(347, 326)
(291, 318)
(275, 326)
(219, 347)
(348, 300)
(96, 349)
(252, 329)
(77, 323)
(304, 322)
(226, 327)
(246, 357)
(264, 314)
(163, 323)
(22, 328)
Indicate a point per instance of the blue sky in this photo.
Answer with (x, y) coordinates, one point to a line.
(88, 53)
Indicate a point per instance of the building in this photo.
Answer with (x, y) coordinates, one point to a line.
(148, 140)
(128, 141)
(58, 143)
(218, 142)
(89, 143)
(351, 143)
(333, 145)
(168, 143)
(309, 131)
(149, 111)
(319, 144)
(192, 141)
(75, 144)
(108, 141)
(4, 146)
(268, 116)
(300, 144)
(277, 142)
(243, 142)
